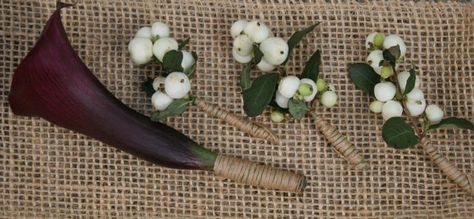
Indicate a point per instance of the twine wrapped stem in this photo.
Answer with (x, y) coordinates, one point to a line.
(251, 173)
(249, 127)
(340, 143)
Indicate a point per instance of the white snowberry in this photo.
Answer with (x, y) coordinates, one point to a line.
(243, 45)
(288, 86)
(385, 91)
(257, 31)
(188, 60)
(374, 39)
(158, 82)
(374, 59)
(141, 50)
(394, 40)
(281, 100)
(144, 32)
(415, 94)
(241, 59)
(160, 100)
(313, 87)
(275, 50)
(177, 85)
(434, 113)
(415, 107)
(164, 45)
(403, 78)
(265, 66)
(238, 27)
(329, 99)
(391, 109)
(160, 29)
(376, 106)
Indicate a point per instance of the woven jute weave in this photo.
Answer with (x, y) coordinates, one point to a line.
(50, 172)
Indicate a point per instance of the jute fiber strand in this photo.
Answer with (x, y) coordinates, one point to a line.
(50, 172)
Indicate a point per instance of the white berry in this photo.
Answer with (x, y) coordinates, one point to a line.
(385, 91)
(144, 32)
(160, 100)
(243, 45)
(314, 89)
(416, 107)
(188, 60)
(257, 31)
(238, 27)
(391, 109)
(376, 106)
(275, 50)
(329, 99)
(281, 100)
(141, 50)
(265, 66)
(177, 85)
(164, 45)
(434, 113)
(374, 59)
(403, 78)
(158, 82)
(394, 40)
(288, 86)
(415, 94)
(160, 29)
(241, 59)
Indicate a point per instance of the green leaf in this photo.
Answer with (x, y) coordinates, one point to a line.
(297, 108)
(172, 61)
(452, 122)
(257, 54)
(410, 82)
(364, 77)
(245, 81)
(398, 134)
(311, 70)
(259, 95)
(297, 37)
(147, 86)
(183, 43)
(392, 54)
(177, 107)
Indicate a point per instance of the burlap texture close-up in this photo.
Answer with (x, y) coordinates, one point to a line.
(48, 171)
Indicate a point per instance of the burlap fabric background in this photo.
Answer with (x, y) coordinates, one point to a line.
(47, 171)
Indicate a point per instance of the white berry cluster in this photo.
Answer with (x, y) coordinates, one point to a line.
(304, 89)
(156, 41)
(175, 86)
(389, 98)
(246, 34)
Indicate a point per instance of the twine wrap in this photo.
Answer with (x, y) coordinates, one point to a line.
(251, 173)
(448, 168)
(251, 128)
(340, 143)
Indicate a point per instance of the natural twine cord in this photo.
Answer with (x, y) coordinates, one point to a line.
(251, 173)
(448, 168)
(251, 128)
(340, 143)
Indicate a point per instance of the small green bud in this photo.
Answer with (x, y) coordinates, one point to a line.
(305, 89)
(386, 72)
(321, 84)
(277, 116)
(378, 40)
